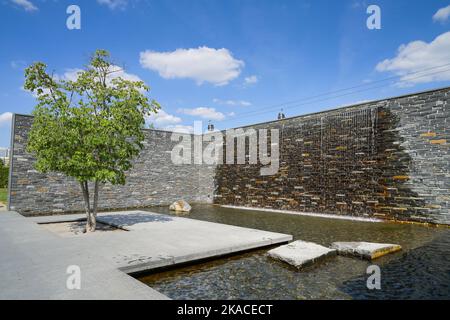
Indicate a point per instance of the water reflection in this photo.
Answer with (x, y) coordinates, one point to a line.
(254, 276)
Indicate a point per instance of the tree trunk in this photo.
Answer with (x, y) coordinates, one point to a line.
(90, 224)
(95, 205)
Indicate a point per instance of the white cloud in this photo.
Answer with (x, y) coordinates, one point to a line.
(116, 72)
(25, 4)
(162, 118)
(242, 103)
(34, 94)
(417, 56)
(114, 4)
(251, 80)
(442, 14)
(71, 74)
(203, 64)
(179, 128)
(5, 118)
(119, 72)
(203, 112)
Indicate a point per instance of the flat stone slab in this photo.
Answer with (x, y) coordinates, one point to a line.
(366, 250)
(301, 253)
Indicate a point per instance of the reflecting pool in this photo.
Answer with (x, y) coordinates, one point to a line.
(420, 271)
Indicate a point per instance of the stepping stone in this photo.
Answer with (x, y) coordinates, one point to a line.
(366, 250)
(300, 253)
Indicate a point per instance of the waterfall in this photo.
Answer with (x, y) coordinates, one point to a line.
(347, 139)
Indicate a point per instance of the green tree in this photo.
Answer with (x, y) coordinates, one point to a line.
(4, 172)
(89, 128)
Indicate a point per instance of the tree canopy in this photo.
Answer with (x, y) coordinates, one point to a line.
(90, 127)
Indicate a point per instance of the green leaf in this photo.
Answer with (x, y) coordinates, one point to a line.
(89, 128)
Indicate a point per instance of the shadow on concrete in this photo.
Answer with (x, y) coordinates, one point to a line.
(132, 218)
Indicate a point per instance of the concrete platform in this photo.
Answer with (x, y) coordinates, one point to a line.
(157, 240)
(301, 253)
(366, 250)
(34, 260)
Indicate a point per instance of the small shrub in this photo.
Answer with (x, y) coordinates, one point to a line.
(4, 172)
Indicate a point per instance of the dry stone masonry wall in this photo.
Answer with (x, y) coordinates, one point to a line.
(387, 158)
(153, 180)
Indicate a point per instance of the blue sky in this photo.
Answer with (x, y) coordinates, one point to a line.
(233, 62)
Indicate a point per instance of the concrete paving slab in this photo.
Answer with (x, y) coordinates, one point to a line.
(34, 260)
(366, 250)
(77, 228)
(301, 253)
(157, 240)
(58, 218)
(34, 265)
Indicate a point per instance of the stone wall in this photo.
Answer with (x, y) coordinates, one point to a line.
(387, 159)
(153, 180)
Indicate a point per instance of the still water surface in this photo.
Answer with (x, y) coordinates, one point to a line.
(420, 271)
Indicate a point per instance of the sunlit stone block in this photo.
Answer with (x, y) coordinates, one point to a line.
(301, 253)
(366, 250)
